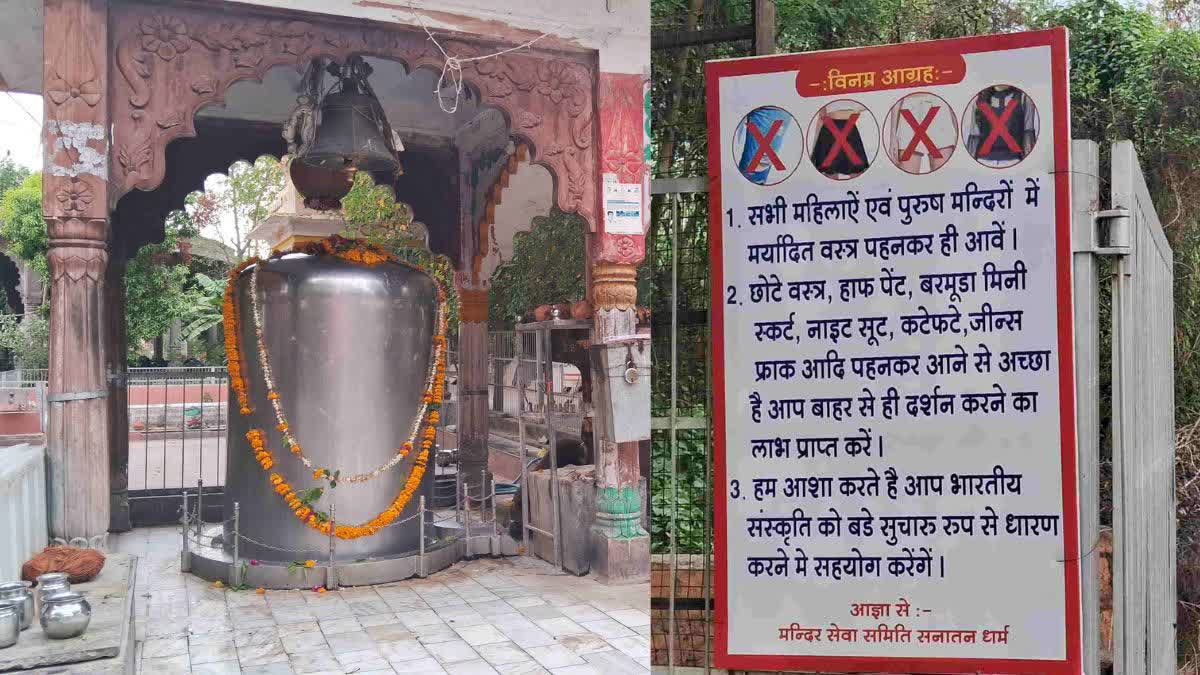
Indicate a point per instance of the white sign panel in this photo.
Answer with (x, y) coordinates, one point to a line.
(622, 206)
(892, 340)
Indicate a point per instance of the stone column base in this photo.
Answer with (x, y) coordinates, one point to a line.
(619, 561)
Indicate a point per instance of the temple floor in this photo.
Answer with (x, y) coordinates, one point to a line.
(488, 615)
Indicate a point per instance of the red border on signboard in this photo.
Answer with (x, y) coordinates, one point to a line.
(1056, 39)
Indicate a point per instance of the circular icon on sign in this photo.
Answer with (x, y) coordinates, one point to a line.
(1000, 126)
(768, 145)
(844, 139)
(920, 133)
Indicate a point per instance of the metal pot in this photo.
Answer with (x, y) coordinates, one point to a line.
(20, 591)
(65, 615)
(52, 582)
(10, 622)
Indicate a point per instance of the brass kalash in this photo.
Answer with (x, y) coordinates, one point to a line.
(349, 348)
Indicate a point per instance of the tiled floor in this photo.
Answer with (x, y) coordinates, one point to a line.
(507, 615)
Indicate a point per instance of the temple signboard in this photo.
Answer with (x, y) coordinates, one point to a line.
(893, 387)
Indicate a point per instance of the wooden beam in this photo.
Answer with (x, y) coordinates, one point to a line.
(673, 39)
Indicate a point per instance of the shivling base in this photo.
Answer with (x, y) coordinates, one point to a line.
(443, 548)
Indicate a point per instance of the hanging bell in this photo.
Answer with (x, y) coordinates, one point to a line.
(352, 132)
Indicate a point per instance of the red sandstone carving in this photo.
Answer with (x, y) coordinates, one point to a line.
(172, 61)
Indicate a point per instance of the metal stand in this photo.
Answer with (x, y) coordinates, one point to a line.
(235, 568)
(458, 493)
(495, 543)
(331, 583)
(199, 506)
(185, 560)
(421, 515)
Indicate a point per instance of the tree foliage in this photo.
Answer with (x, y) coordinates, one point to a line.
(546, 267)
(373, 214)
(11, 174)
(245, 196)
(27, 339)
(22, 224)
(157, 288)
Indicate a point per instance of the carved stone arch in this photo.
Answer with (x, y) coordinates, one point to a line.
(171, 60)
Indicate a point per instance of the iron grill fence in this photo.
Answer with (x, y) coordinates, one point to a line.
(681, 457)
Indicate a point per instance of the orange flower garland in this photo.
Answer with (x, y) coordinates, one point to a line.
(430, 400)
(232, 349)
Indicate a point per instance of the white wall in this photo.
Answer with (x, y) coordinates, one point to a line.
(619, 29)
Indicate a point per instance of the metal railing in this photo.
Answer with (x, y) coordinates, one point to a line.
(177, 421)
(484, 527)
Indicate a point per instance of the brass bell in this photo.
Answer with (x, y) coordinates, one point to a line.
(352, 132)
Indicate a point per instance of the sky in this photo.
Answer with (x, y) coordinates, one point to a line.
(21, 128)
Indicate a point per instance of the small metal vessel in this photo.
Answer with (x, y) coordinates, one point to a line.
(20, 592)
(52, 582)
(10, 622)
(65, 615)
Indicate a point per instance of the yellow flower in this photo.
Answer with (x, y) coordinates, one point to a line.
(260, 590)
(218, 584)
(310, 563)
(318, 474)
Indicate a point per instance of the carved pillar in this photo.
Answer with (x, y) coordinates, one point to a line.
(118, 392)
(473, 387)
(620, 357)
(76, 206)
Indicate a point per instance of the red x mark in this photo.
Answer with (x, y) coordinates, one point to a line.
(839, 141)
(764, 146)
(999, 127)
(920, 133)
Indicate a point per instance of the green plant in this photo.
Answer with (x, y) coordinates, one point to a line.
(28, 338)
(207, 302)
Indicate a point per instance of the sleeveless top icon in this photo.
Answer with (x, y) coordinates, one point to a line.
(842, 164)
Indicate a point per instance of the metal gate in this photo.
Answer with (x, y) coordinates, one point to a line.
(1125, 242)
(1143, 403)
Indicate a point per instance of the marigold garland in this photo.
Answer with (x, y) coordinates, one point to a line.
(434, 381)
(430, 399)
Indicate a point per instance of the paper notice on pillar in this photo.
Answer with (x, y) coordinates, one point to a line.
(622, 206)
(893, 392)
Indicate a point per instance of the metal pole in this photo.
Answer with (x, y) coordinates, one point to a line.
(674, 550)
(421, 562)
(495, 532)
(331, 573)
(1085, 193)
(524, 455)
(458, 492)
(233, 569)
(482, 492)
(467, 515)
(185, 561)
(199, 503)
